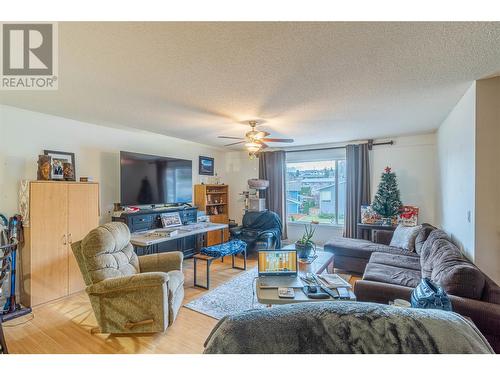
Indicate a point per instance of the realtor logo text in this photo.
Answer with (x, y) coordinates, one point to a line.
(29, 56)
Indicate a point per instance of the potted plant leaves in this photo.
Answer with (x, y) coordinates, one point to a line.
(305, 245)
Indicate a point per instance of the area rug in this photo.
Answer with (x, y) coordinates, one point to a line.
(235, 296)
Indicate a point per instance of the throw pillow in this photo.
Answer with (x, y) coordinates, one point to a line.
(404, 237)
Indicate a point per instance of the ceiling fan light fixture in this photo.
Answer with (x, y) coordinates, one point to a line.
(253, 147)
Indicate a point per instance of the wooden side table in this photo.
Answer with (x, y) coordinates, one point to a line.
(371, 227)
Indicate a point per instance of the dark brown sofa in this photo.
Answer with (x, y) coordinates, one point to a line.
(390, 273)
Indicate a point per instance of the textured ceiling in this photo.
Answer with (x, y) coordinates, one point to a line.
(315, 82)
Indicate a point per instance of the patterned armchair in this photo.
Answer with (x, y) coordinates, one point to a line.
(129, 294)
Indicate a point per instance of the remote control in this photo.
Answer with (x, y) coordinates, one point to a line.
(344, 293)
(286, 293)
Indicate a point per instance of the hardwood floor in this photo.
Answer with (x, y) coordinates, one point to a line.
(64, 326)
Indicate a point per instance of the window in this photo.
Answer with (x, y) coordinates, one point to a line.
(315, 190)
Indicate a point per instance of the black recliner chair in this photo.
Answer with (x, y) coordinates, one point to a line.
(259, 227)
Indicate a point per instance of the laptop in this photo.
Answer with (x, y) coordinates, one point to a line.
(278, 269)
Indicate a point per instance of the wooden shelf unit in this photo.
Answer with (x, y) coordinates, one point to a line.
(214, 200)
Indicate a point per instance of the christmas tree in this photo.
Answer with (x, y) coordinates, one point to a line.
(387, 202)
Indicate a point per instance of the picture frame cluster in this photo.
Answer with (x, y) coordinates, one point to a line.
(56, 165)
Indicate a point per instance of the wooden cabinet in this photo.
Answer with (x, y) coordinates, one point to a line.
(83, 216)
(214, 200)
(214, 237)
(60, 213)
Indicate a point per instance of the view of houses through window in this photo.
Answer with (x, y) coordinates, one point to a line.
(316, 190)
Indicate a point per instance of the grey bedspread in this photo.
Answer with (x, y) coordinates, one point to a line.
(345, 327)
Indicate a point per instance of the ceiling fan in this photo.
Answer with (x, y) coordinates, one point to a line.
(255, 140)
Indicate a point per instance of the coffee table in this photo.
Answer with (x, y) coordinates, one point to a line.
(318, 266)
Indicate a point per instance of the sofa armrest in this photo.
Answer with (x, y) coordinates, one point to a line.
(265, 235)
(485, 315)
(374, 291)
(161, 262)
(133, 282)
(236, 231)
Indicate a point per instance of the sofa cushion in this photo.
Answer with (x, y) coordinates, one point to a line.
(422, 236)
(396, 260)
(404, 237)
(456, 274)
(350, 247)
(427, 246)
(392, 275)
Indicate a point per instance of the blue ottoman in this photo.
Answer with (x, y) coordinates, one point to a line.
(227, 248)
(211, 253)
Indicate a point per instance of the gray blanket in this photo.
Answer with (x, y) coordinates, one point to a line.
(345, 327)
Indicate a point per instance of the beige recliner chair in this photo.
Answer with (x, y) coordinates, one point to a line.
(129, 294)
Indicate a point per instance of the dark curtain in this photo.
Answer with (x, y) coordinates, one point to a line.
(358, 186)
(272, 167)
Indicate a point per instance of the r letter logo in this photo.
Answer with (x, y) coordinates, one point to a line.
(29, 56)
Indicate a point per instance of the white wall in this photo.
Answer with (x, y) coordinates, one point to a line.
(413, 159)
(238, 169)
(487, 224)
(456, 172)
(25, 134)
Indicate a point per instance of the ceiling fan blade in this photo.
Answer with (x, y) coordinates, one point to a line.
(262, 134)
(282, 140)
(235, 143)
(226, 137)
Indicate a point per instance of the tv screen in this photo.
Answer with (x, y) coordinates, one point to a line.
(150, 179)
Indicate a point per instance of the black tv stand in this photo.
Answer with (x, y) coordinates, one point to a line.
(149, 219)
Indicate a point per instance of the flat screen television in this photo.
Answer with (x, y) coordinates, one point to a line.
(153, 180)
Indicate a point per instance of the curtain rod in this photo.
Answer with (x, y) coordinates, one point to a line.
(369, 143)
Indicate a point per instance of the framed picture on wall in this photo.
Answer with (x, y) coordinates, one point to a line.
(206, 166)
(63, 165)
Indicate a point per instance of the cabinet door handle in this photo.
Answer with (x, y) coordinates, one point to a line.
(65, 242)
(70, 239)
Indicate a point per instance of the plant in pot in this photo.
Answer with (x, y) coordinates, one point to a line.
(305, 246)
